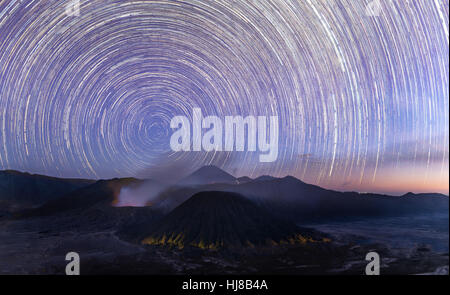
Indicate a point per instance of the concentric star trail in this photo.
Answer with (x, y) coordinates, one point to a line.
(363, 101)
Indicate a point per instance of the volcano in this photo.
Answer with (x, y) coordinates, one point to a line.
(208, 175)
(217, 219)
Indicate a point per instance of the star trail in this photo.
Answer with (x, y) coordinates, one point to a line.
(362, 100)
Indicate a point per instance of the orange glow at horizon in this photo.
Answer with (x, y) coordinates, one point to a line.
(399, 181)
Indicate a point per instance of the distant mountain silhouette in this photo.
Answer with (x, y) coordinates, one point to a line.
(214, 219)
(244, 179)
(91, 207)
(291, 197)
(422, 195)
(286, 197)
(20, 190)
(265, 178)
(208, 175)
(102, 193)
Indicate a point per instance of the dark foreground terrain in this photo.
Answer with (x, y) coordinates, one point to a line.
(26, 249)
(220, 232)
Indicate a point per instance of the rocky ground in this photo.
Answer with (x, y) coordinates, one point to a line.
(27, 248)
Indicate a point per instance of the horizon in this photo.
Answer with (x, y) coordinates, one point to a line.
(387, 193)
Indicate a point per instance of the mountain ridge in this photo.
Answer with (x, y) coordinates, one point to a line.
(287, 196)
(242, 179)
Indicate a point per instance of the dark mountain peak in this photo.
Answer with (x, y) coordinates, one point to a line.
(409, 194)
(22, 190)
(21, 174)
(13, 172)
(208, 175)
(424, 195)
(290, 178)
(265, 178)
(244, 179)
(216, 219)
(102, 193)
(286, 179)
(288, 182)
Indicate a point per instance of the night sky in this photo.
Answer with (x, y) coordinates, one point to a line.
(363, 100)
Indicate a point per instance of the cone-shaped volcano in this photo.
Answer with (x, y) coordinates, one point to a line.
(208, 175)
(221, 219)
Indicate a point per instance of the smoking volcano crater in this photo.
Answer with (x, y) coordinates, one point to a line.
(214, 219)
